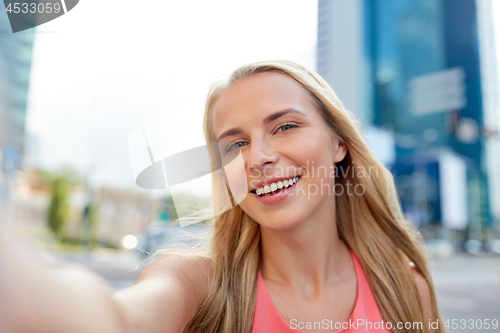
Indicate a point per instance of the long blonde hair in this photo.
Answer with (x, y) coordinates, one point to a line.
(372, 225)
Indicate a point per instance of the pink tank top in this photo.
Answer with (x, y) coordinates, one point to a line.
(365, 317)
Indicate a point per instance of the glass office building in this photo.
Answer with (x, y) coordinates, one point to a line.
(15, 65)
(424, 73)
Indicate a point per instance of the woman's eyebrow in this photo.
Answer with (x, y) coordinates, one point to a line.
(267, 120)
(232, 131)
(278, 114)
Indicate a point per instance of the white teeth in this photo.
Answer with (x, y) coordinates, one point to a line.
(275, 186)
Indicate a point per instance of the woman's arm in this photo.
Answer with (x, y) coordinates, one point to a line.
(166, 295)
(39, 297)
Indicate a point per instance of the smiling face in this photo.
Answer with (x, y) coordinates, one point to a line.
(273, 121)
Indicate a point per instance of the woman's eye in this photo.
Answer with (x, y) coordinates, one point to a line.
(286, 127)
(235, 145)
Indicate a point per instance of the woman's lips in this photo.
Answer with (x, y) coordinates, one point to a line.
(277, 196)
(276, 186)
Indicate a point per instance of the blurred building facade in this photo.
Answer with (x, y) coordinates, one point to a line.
(422, 76)
(118, 212)
(15, 67)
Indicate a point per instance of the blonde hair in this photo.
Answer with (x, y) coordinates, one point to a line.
(372, 225)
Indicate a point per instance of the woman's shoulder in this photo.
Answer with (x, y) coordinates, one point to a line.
(192, 271)
(425, 292)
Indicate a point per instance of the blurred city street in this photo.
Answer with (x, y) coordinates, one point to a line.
(468, 287)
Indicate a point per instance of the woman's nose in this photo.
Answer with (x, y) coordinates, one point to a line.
(261, 155)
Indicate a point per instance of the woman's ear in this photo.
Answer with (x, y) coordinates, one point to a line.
(340, 151)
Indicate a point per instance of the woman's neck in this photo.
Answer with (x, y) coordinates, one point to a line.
(311, 253)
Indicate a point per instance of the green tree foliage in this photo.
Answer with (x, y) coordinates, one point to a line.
(89, 224)
(59, 209)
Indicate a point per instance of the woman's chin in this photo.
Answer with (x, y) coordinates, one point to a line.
(279, 223)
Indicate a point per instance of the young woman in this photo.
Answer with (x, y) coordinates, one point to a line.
(319, 244)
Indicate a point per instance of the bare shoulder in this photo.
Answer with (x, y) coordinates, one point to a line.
(192, 271)
(422, 285)
(425, 293)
